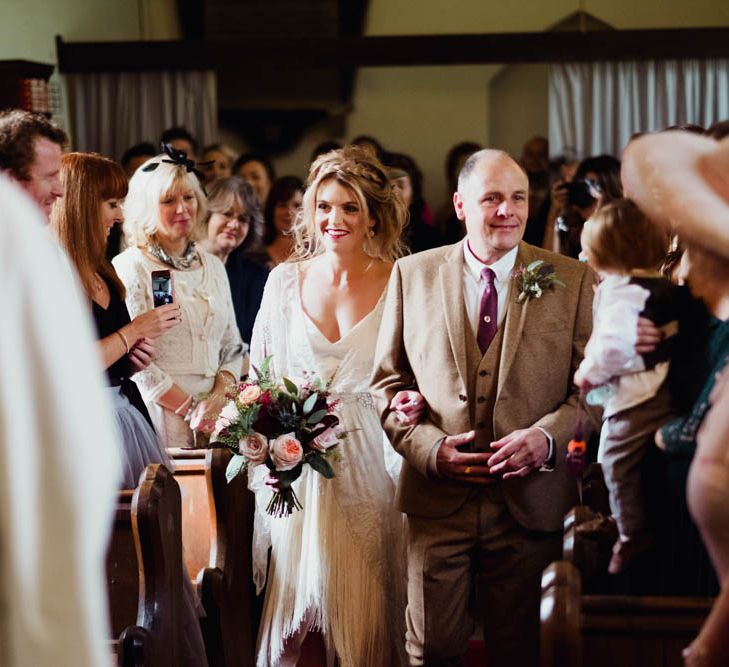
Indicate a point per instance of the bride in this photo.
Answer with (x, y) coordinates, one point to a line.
(337, 566)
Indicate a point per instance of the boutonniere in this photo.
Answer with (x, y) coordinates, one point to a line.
(534, 279)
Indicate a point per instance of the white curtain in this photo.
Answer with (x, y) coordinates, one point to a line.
(113, 111)
(596, 107)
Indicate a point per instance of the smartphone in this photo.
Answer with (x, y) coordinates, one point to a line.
(161, 287)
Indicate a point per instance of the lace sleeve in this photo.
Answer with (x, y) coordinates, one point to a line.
(152, 381)
(262, 340)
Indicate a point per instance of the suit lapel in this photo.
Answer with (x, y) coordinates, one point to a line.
(514, 320)
(451, 290)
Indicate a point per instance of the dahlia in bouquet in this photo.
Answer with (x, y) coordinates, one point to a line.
(282, 425)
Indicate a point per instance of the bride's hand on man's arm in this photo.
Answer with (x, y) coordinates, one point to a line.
(408, 406)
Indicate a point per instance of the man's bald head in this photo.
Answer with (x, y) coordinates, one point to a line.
(491, 155)
(493, 202)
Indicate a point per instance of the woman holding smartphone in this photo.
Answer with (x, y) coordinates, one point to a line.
(197, 361)
(93, 188)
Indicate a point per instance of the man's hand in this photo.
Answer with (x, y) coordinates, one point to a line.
(462, 466)
(648, 336)
(408, 407)
(518, 453)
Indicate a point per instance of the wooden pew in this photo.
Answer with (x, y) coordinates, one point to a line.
(144, 572)
(589, 556)
(606, 630)
(217, 531)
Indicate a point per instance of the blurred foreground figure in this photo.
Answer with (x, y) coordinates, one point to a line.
(59, 465)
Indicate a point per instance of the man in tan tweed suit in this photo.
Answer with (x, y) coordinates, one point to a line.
(484, 481)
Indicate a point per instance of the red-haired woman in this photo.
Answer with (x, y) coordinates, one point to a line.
(94, 187)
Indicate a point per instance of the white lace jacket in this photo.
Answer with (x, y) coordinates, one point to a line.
(205, 342)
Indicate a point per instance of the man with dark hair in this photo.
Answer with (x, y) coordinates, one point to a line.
(135, 156)
(181, 139)
(30, 154)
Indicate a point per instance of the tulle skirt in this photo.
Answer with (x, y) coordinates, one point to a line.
(140, 442)
(140, 448)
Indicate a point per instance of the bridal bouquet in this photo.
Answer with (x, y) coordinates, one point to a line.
(282, 425)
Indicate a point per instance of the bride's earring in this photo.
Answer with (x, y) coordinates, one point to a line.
(371, 232)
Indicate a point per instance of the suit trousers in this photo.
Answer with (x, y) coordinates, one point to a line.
(477, 562)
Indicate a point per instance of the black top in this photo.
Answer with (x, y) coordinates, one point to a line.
(247, 280)
(109, 320)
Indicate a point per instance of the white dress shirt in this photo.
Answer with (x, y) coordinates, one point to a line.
(473, 283)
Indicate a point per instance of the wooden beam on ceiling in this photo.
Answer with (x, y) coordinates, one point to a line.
(414, 50)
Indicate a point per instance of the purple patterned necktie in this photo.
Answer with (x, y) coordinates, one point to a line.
(487, 317)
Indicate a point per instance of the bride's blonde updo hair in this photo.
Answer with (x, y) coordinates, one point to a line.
(362, 173)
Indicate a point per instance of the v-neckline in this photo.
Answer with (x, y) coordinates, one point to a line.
(308, 318)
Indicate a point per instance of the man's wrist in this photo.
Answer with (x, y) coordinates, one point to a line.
(551, 459)
(433, 460)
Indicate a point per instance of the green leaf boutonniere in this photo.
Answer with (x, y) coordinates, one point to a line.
(535, 279)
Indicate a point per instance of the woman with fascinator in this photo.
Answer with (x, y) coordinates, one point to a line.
(200, 358)
(337, 566)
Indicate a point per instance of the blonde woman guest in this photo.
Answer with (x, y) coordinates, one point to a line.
(201, 357)
(337, 565)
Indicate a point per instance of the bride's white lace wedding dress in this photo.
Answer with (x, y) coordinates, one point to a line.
(337, 564)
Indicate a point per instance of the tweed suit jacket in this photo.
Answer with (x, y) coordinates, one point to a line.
(421, 345)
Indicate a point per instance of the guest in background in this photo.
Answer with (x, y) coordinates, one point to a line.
(324, 147)
(535, 161)
(235, 224)
(221, 162)
(30, 154)
(136, 156)
(370, 144)
(164, 217)
(449, 226)
(596, 182)
(256, 170)
(282, 205)
(181, 139)
(419, 234)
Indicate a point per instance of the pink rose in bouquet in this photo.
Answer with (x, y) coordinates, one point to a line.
(249, 394)
(254, 447)
(286, 452)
